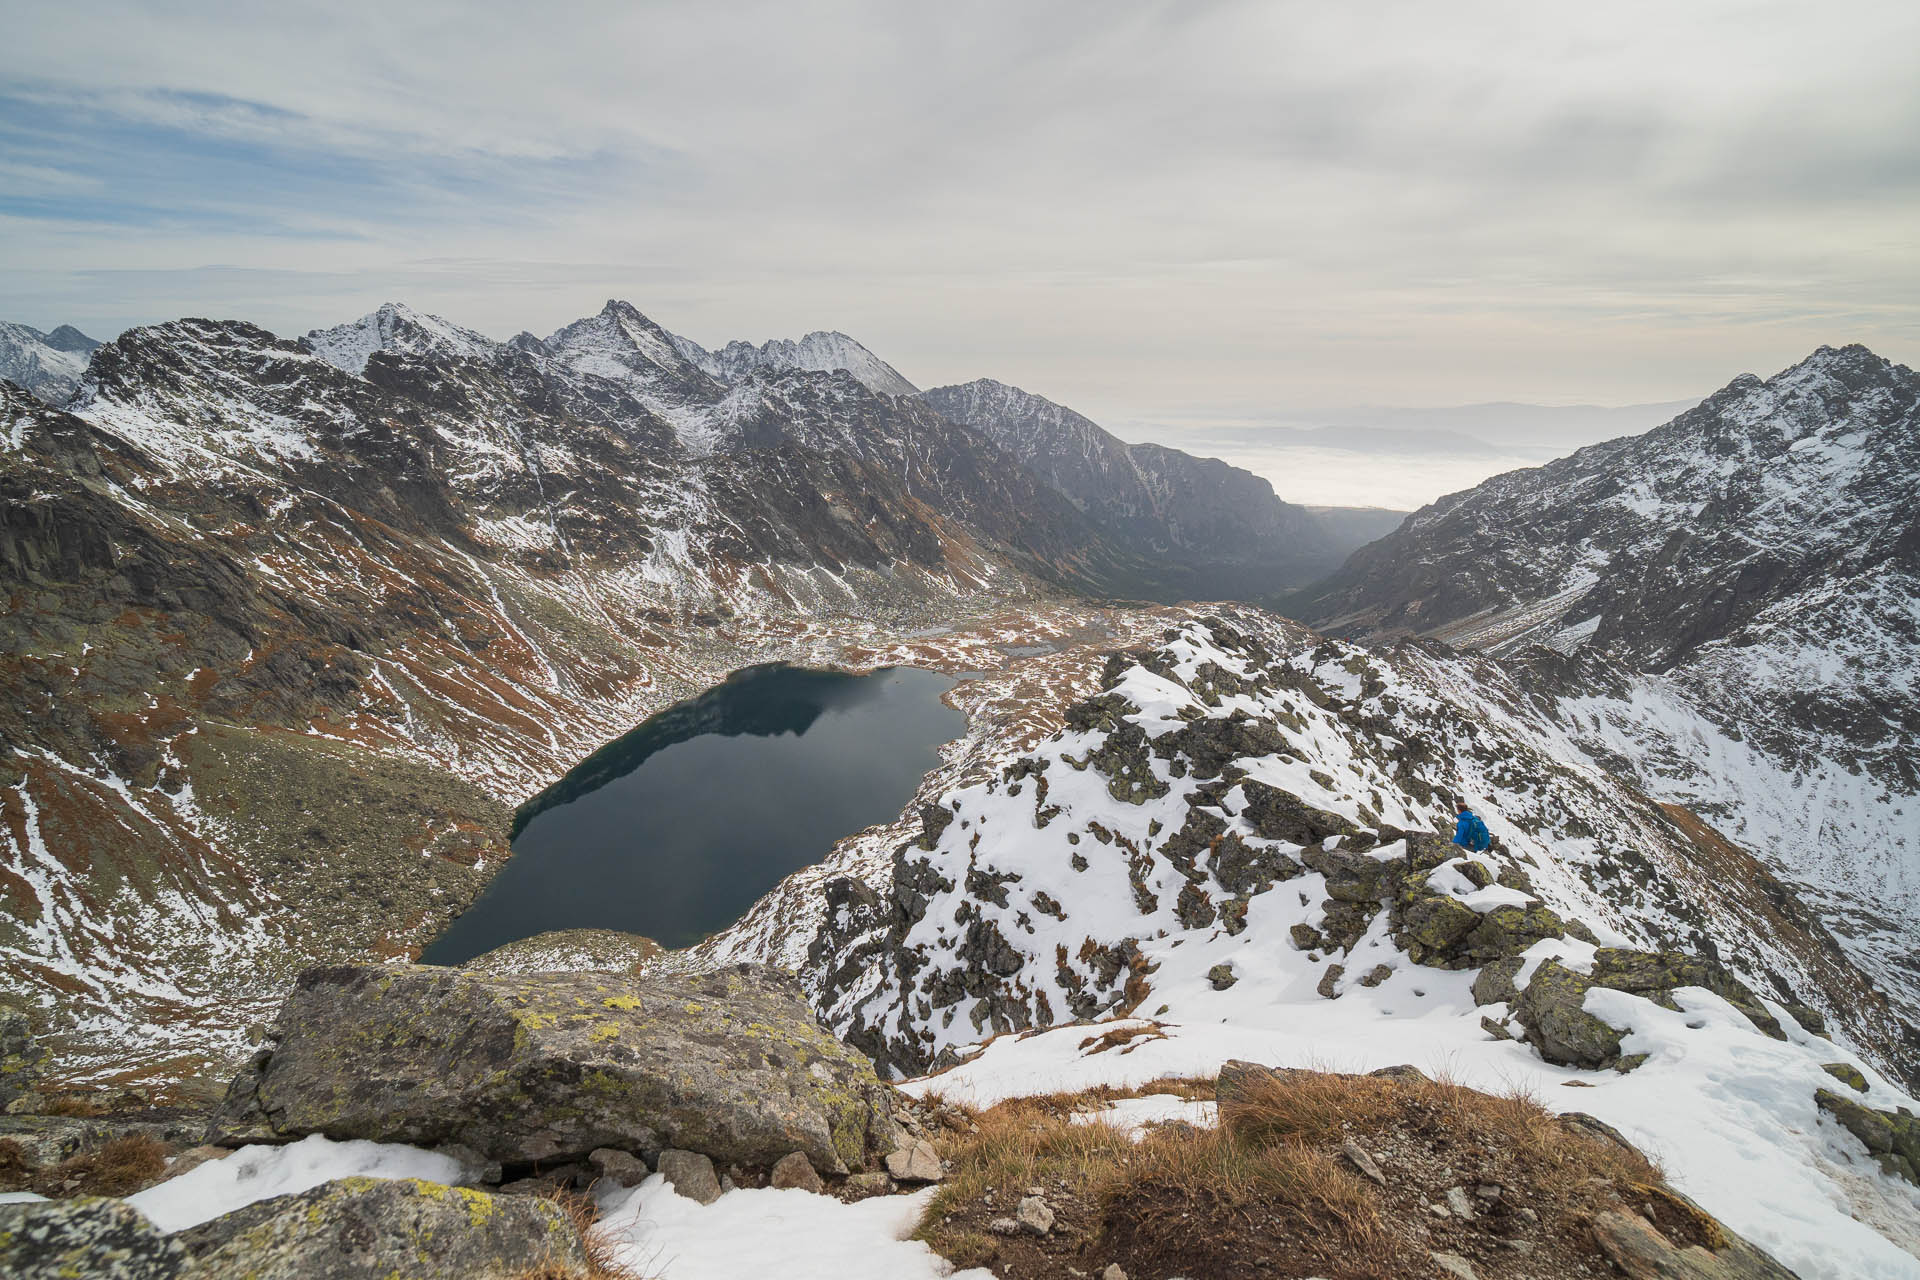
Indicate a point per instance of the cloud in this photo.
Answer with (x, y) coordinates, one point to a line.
(1131, 207)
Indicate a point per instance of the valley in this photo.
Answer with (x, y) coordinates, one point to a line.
(306, 636)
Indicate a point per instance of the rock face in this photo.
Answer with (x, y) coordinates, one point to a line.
(1220, 531)
(94, 1239)
(374, 1229)
(21, 1058)
(549, 1067)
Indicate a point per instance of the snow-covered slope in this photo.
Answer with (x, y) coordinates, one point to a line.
(47, 364)
(1741, 591)
(820, 352)
(395, 327)
(1229, 852)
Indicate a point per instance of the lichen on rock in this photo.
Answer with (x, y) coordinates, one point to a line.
(548, 1067)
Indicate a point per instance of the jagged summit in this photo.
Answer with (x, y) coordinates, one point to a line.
(621, 343)
(822, 351)
(395, 326)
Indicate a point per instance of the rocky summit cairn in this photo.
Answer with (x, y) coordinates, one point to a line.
(546, 1068)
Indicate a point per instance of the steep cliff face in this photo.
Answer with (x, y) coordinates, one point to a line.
(1737, 592)
(1215, 529)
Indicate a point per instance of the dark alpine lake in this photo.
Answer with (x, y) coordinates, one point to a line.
(674, 830)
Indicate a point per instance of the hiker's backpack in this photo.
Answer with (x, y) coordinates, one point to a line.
(1479, 839)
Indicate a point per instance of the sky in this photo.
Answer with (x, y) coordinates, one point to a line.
(1198, 212)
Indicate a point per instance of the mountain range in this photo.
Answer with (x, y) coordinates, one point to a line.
(293, 626)
(416, 574)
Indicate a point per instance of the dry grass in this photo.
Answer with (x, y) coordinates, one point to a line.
(118, 1168)
(1271, 1178)
(1178, 1177)
(1312, 1108)
(78, 1105)
(601, 1262)
(1023, 1141)
(15, 1168)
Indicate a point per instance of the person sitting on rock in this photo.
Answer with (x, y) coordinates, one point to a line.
(1469, 832)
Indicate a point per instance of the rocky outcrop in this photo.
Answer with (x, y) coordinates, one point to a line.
(21, 1058)
(1892, 1138)
(1643, 1252)
(548, 1067)
(374, 1229)
(1552, 1007)
(86, 1239)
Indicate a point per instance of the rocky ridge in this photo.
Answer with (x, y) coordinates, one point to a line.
(1723, 609)
(1233, 845)
(821, 352)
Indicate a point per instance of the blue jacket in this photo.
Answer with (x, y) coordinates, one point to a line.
(1470, 832)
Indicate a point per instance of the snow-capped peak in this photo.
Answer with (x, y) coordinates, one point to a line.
(822, 351)
(396, 327)
(619, 342)
(48, 364)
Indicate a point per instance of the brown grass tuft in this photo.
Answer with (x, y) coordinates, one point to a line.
(15, 1169)
(601, 1263)
(118, 1168)
(1271, 1184)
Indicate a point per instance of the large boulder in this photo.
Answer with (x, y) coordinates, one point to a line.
(376, 1228)
(548, 1067)
(1354, 875)
(1654, 974)
(95, 1238)
(20, 1057)
(1551, 1008)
